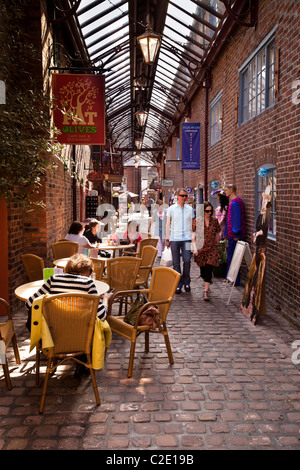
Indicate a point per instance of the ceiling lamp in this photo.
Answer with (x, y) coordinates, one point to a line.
(138, 144)
(141, 117)
(136, 164)
(149, 43)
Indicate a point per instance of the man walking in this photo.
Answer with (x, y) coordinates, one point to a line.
(179, 236)
(235, 228)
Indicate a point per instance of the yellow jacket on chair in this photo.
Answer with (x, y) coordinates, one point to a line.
(40, 332)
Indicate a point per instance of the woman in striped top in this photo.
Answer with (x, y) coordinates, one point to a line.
(75, 278)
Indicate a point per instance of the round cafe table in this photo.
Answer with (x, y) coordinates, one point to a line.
(25, 291)
(114, 247)
(61, 262)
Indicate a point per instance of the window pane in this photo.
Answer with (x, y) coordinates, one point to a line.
(271, 70)
(215, 121)
(264, 177)
(258, 83)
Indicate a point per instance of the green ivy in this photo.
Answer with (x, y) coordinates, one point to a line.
(25, 138)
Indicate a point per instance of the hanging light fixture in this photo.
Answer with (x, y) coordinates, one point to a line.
(138, 144)
(141, 117)
(149, 43)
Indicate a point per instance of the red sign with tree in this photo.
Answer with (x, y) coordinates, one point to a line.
(79, 109)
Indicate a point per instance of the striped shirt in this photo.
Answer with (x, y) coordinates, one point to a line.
(64, 283)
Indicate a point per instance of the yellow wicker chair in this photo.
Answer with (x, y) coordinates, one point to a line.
(8, 335)
(34, 266)
(161, 292)
(147, 260)
(64, 249)
(121, 275)
(71, 321)
(99, 266)
(143, 242)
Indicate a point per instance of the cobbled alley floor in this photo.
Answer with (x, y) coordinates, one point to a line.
(233, 386)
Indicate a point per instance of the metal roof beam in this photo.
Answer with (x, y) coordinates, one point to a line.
(191, 28)
(100, 28)
(103, 13)
(206, 7)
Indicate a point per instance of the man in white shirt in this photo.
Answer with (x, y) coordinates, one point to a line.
(179, 236)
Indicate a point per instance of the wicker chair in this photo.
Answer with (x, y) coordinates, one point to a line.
(34, 266)
(64, 249)
(99, 266)
(143, 242)
(8, 335)
(161, 292)
(71, 320)
(121, 275)
(147, 260)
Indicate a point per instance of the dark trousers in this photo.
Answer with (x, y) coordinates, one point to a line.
(182, 248)
(206, 272)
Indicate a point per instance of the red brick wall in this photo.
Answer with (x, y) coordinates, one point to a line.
(271, 137)
(34, 231)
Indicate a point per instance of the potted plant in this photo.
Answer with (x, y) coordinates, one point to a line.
(221, 270)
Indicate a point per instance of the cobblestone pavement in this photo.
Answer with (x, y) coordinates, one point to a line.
(233, 386)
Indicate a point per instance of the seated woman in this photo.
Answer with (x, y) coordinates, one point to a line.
(75, 234)
(75, 278)
(92, 231)
(133, 235)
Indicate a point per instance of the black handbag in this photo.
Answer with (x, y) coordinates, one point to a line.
(124, 241)
(104, 254)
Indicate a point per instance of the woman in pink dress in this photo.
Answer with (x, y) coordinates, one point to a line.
(221, 210)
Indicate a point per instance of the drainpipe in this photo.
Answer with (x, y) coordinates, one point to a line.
(206, 86)
(206, 130)
(74, 184)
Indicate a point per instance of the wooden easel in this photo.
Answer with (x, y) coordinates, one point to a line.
(242, 250)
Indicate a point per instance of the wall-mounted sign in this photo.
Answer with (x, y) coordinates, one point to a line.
(167, 183)
(78, 112)
(190, 146)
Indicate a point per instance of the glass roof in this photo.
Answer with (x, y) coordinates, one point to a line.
(109, 29)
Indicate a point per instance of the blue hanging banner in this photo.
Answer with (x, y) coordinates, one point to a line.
(190, 146)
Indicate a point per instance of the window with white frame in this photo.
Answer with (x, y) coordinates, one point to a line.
(266, 175)
(257, 80)
(216, 119)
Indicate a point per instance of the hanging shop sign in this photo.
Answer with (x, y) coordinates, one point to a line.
(95, 177)
(113, 178)
(78, 111)
(190, 146)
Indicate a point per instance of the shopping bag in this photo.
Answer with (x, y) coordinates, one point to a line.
(166, 257)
